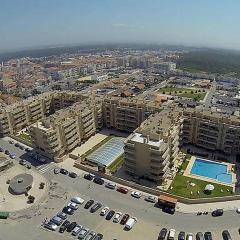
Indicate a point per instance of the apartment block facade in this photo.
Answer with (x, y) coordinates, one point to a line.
(17, 116)
(150, 150)
(211, 130)
(126, 114)
(61, 132)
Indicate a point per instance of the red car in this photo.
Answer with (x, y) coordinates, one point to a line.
(122, 190)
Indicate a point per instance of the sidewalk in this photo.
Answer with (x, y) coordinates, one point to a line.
(208, 207)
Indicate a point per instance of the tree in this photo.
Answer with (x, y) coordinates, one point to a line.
(31, 199)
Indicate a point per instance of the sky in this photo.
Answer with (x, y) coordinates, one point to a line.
(28, 24)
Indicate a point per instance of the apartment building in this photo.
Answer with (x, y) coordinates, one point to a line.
(126, 114)
(64, 130)
(211, 130)
(153, 147)
(17, 116)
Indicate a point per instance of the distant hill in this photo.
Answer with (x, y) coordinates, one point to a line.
(90, 48)
(211, 61)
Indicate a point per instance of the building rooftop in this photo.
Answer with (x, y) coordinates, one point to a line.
(140, 138)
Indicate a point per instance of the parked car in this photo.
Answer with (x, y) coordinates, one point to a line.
(76, 230)
(77, 200)
(56, 170)
(199, 236)
(64, 226)
(89, 176)
(27, 149)
(151, 199)
(23, 162)
(95, 207)
(217, 212)
(181, 236)
(163, 233)
(64, 171)
(56, 220)
(136, 194)
(122, 190)
(226, 235)
(189, 236)
(73, 205)
(72, 175)
(171, 234)
(83, 233)
(6, 152)
(98, 180)
(110, 185)
(21, 147)
(117, 217)
(68, 210)
(71, 226)
(130, 223)
(238, 210)
(11, 142)
(104, 211)
(169, 210)
(88, 204)
(62, 215)
(207, 236)
(12, 156)
(110, 215)
(51, 226)
(1, 150)
(16, 144)
(99, 236)
(124, 219)
(90, 236)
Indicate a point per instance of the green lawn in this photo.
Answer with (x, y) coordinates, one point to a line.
(25, 137)
(196, 95)
(184, 165)
(113, 167)
(96, 147)
(180, 187)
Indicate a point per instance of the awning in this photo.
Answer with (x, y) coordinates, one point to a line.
(164, 198)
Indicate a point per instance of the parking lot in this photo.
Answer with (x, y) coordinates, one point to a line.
(150, 219)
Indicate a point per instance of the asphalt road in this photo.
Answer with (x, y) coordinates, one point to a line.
(27, 223)
(208, 101)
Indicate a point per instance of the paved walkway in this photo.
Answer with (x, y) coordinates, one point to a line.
(10, 202)
(90, 143)
(209, 207)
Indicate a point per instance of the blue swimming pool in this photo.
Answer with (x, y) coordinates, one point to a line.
(213, 170)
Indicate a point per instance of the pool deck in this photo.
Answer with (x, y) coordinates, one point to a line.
(230, 166)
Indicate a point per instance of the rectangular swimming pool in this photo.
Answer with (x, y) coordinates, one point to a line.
(213, 170)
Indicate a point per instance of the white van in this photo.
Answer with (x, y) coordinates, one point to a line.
(171, 234)
(130, 223)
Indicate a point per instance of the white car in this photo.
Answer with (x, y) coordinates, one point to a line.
(104, 211)
(171, 234)
(136, 194)
(151, 199)
(190, 236)
(110, 185)
(73, 205)
(117, 217)
(77, 200)
(238, 210)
